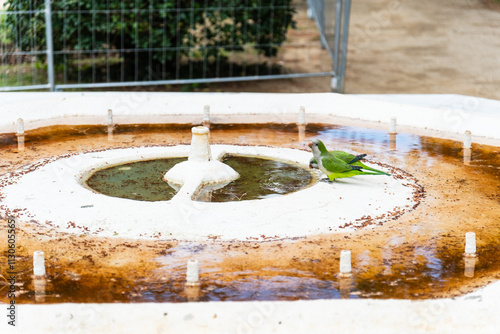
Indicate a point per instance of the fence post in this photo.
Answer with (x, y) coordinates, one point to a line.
(336, 45)
(345, 36)
(50, 45)
(320, 16)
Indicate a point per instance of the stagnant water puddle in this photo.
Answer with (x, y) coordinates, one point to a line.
(259, 179)
(419, 256)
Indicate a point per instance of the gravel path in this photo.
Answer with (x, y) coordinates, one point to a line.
(425, 46)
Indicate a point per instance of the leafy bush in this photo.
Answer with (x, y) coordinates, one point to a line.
(148, 34)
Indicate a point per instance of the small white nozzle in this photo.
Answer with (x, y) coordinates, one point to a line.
(345, 263)
(200, 147)
(39, 263)
(302, 116)
(467, 140)
(20, 127)
(206, 113)
(470, 244)
(192, 273)
(110, 117)
(393, 125)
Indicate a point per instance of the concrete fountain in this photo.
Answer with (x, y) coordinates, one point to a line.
(53, 190)
(200, 174)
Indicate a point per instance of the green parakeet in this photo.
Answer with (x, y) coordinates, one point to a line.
(350, 159)
(339, 164)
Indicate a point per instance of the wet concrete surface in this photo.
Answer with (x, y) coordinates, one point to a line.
(417, 256)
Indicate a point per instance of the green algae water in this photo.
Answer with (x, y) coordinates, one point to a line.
(139, 180)
(259, 179)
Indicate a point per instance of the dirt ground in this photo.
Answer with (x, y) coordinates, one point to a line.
(405, 47)
(429, 47)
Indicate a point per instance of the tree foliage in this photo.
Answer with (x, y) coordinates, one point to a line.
(144, 33)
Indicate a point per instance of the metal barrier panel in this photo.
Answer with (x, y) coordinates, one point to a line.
(332, 19)
(90, 44)
(23, 54)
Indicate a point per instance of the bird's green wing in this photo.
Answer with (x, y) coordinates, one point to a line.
(357, 158)
(348, 158)
(344, 156)
(352, 159)
(334, 165)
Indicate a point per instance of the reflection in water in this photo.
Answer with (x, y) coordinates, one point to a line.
(110, 132)
(434, 266)
(467, 156)
(470, 265)
(392, 141)
(192, 293)
(387, 255)
(345, 284)
(20, 143)
(39, 284)
(284, 287)
(302, 132)
(377, 140)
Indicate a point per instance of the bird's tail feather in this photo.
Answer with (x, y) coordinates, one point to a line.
(379, 172)
(357, 158)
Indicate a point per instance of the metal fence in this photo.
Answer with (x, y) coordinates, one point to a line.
(332, 20)
(62, 44)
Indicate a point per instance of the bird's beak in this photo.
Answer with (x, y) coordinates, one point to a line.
(310, 145)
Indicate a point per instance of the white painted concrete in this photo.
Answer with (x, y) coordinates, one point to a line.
(448, 115)
(54, 192)
(200, 170)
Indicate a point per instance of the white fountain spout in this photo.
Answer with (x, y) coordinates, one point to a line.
(200, 147)
(200, 171)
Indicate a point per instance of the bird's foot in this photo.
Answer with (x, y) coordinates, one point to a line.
(327, 180)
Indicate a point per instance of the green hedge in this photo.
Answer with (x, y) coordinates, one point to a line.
(155, 32)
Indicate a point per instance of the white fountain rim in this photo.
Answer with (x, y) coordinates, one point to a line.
(53, 193)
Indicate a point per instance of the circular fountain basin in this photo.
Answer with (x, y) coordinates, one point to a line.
(403, 246)
(321, 208)
(259, 179)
